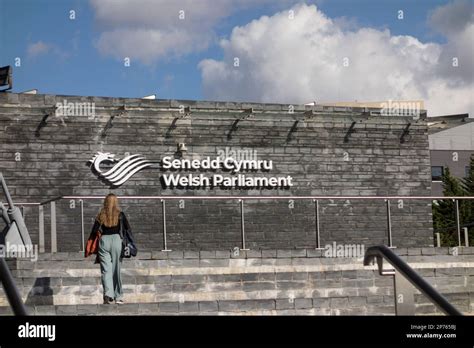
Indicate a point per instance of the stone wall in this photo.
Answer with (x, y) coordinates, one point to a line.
(40, 163)
(270, 282)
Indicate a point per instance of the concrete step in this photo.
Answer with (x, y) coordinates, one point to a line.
(77, 290)
(347, 287)
(283, 306)
(289, 306)
(368, 290)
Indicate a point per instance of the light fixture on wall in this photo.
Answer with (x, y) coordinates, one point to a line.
(308, 115)
(350, 131)
(405, 132)
(185, 112)
(233, 128)
(108, 126)
(181, 150)
(246, 113)
(44, 122)
(182, 147)
(293, 129)
(122, 111)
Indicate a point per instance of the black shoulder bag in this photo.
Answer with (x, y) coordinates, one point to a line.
(128, 246)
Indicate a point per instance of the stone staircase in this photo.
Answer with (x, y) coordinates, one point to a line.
(268, 282)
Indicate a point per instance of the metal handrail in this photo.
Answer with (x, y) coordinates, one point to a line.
(217, 197)
(381, 252)
(240, 199)
(6, 278)
(13, 295)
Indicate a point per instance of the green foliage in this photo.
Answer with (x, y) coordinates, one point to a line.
(444, 212)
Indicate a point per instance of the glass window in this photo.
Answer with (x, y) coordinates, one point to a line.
(436, 173)
(466, 171)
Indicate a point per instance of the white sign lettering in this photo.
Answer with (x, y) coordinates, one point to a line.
(236, 172)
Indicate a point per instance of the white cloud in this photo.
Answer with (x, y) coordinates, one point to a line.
(150, 30)
(37, 49)
(43, 48)
(453, 17)
(456, 21)
(147, 45)
(300, 60)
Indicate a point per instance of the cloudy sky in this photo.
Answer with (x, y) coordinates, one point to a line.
(253, 50)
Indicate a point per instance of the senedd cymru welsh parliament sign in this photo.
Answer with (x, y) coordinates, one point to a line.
(231, 169)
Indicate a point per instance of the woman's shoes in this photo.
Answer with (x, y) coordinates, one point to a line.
(108, 300)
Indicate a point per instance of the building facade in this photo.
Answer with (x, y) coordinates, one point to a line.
(451, 146)
(89, 146)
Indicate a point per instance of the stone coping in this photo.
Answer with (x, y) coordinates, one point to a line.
(255, 254)
(15, 99)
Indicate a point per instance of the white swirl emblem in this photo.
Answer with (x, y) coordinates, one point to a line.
(121, 171)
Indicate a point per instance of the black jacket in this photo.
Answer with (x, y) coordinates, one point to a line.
(123, 222)
(125, 231)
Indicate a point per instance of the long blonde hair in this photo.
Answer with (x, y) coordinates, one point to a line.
(109, 214)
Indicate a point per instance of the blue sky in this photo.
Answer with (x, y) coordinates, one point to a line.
(62, 56)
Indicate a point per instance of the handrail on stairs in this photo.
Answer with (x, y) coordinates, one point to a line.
(382, 252)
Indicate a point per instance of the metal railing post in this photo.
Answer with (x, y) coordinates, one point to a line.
(404, 295)
(241, 199)
(163, 209)
(458, 222)
(82, 224)
(41, 228)
(466, 236)
(316, 216)
(242, 224)
(54, 241)
(389, 224)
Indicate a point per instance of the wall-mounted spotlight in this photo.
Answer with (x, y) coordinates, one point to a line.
(233, 128)
(44, 122)
(181, 150)
(184, 111)
(405, 132)
(308, 114)
(246, 113)
(108, 126)
(292, 130)
(182, 147)
(187, 111)
(122, 111)
(350, 131)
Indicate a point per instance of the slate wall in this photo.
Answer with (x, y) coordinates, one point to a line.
(52, 161)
